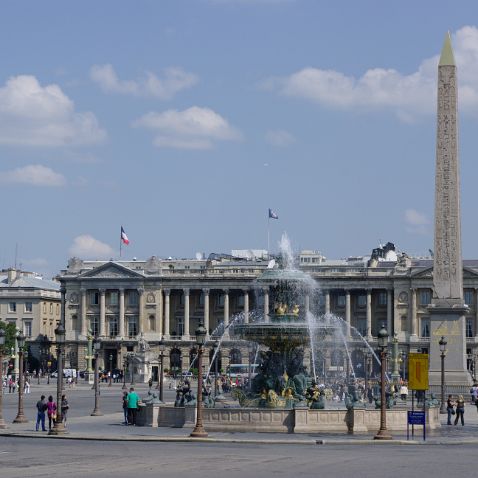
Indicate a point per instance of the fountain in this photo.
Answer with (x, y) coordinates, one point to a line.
(285, 394)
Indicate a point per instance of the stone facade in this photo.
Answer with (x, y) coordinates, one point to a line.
(124, 301)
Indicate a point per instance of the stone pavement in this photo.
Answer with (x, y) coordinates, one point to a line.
(82, 426)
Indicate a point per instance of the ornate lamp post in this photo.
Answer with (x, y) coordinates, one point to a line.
(395, 358)
(20, 418)
(404, 364)
(111, 369)
(199, 431)
(58, 427)
(2, 344)
(216, 356)
(442, 343)
(97, 346)
(162, 348)
(383, 433)
(125, 366)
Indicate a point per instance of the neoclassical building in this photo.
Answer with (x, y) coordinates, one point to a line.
(128, 303)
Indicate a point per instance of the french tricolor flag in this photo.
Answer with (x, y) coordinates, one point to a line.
(124, 237)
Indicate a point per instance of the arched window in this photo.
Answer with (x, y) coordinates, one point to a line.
(235, 356)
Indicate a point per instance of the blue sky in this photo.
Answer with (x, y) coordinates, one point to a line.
(185, 120)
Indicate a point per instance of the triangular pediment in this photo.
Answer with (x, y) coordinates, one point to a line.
(427, 273)
(423, 273)
(111, 270)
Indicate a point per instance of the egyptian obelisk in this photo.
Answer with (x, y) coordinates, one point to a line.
(447, 310)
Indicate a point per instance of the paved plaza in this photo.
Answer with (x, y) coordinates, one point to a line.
(104, 445)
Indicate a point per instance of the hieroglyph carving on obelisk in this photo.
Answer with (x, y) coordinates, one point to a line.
(447, 266)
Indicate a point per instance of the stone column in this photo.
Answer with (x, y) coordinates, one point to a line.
(122, 328)
(476, 313)
(246, 306)
(206, 309)
(186, 314)
(348, 313)
(307, 303)
(389, 312)
(141, 311)
(167, 293)
(413, 315)
(160, 312)
(369, 314)
(226, 309)
(327, 301)
(266, 304)
(84, 324)
(102, 313)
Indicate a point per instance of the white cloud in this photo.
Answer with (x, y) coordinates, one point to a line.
(35, 175)
(279, 138)
(86, 246)
(35, 115)
(388, 89)
(417, 222)
(171, 82)
(194, 128)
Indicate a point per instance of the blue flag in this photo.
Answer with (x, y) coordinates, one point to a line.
(272, 214)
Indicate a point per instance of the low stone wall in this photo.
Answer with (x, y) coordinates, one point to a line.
(248, 419)
(286, 421)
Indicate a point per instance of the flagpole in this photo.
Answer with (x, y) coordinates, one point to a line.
(268, 235)
(121, 241)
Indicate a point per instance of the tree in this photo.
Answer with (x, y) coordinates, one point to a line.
(10, 331)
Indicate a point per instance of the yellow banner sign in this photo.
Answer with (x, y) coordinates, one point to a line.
(418, 371)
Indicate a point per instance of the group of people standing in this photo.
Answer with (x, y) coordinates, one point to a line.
(455, 408)
(49, 409)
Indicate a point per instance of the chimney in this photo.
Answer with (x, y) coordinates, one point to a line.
(12, 275)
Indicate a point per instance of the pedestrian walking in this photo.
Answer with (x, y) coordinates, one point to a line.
(26, 388)
(51, 411)
(41, 409)
(460, 410)
(404, 392)
(133, 400)
(125, 407)
(64, 408)
(450, 409)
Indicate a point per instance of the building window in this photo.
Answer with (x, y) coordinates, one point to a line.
(132, 326)
(468, 297)
(362, 327)
(382, 298)
(152, 323)
(341, 300)
(57, 309)
(133, 298)
(74, 322)
(44, 308)
(95, 325)
(112, 298)
(113, 325)
(27, 329)
(201, 299)
(469, 328)
(180, 326)
(94, 298)
(51, 309)
(362, 300)
(220, 300)
(425, 327)
(12, 307)
(425, 297)
(28, 307)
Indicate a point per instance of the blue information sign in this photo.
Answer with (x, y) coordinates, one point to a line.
(416, 418)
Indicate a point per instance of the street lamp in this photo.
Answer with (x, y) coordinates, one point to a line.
(58, 426)
(2, 344)
(97, 346)
(216, 366)
(199, 431)
(442, 343)
(404, 364)
(162, 348)
(125, 365)
(111, 369)
(383, 433)
(20, 418)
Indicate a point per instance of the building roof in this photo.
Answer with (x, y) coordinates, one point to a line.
(29, 283)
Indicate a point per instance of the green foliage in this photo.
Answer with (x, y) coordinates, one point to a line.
(194, 371)
(10, 331)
